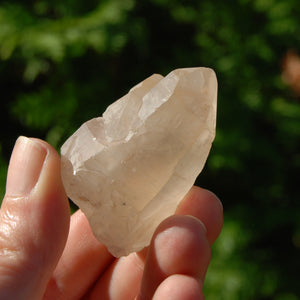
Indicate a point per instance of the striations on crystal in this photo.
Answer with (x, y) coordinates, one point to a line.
(128, 170)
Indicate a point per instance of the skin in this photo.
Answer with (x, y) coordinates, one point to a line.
(46, 254)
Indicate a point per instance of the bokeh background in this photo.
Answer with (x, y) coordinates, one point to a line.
(63, 62)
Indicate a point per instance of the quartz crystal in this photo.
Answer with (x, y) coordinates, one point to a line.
(129, 169)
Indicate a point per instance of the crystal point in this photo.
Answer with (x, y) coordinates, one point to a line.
(129, 169)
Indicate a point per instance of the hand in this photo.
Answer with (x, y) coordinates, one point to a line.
(46, 255)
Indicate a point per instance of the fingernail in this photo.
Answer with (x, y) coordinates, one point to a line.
(25, 166)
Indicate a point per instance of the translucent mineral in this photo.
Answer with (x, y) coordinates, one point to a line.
(129, 169)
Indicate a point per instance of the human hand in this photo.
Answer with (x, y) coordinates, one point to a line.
(46, 255)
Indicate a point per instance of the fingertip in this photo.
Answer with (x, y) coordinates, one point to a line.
(179, 246)
(178, 287)
(207, 207)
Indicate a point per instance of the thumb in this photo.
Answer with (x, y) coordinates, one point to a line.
(34, 220)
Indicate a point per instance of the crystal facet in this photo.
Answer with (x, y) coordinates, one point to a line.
(129, 169)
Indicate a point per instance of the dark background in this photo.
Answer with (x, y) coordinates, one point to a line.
(63, 62)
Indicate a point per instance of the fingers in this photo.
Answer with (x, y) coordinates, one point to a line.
(179, 246)
(34, 220)
(83, 260)
(190, 254)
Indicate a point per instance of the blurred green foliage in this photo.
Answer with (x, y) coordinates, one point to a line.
(63, 62)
